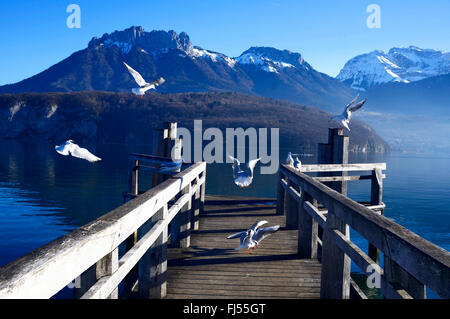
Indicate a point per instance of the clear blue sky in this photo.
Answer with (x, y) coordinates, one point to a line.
(34, 35)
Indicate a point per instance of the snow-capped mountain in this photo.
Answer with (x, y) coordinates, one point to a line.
(403, 65)
(187, 68)
(272, 60)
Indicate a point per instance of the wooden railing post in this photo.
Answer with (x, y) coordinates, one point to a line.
(340, 156)
(281, 193)
(202, 194)
(376, 198)
(400, 278)
(335, 276)
(307, 231)
(133, 177)
(166, 144)
(107, 266)
(181, 224)
(291, 208)
(153, 264)
(196, 206)
(86, 280)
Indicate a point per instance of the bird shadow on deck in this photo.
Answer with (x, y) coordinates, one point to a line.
(233, 210)
(190, 257)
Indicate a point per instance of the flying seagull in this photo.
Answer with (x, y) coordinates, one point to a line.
(143, 85)
(250, 238)
(345, 117)
(243, 178)
(70, 148)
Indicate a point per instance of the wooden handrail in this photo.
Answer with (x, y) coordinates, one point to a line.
(46, 270)
(425, 261)
(309, 168)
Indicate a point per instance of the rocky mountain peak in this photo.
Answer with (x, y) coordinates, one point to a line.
(149, 41)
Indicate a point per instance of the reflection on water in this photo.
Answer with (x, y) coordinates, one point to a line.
(44, 195)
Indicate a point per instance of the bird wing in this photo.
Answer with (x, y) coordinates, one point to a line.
(83, 153)
(235, 160)
(237, 235)
(157, 82)
(252, 163)
(352, 101)
(256, 225)
(262, 233)
(64, 148)
(137, 77)
(357, 106)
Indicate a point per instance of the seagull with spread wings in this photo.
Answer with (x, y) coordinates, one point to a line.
(143, 85)
(250, 238)
(243, 178)
(344, 118)
(70, 148)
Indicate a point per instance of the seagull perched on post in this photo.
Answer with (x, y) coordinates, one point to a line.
(290, 160)
(243, 178)
(345, 117)
(143, 85)
(297, 164)
(251, 237)
(70, 148)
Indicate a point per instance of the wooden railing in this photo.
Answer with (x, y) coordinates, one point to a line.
(92, 251)
(410, 262)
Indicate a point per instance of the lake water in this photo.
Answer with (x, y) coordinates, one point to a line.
(44, 195)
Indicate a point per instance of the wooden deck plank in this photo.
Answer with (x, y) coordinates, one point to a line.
(212, 268)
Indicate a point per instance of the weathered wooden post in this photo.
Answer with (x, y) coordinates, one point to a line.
(181, 224)
(291, 209)
(398, 277)
(152, 272)
(335, 281)
(376, 198)
(202, 194)
(195, 212)
(281, 193)
(335, 275)
(106, 267)
(165, 144)
(307, 230)
(334, 152)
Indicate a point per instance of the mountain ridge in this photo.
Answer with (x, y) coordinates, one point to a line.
(186, 67)
(122, 118)
(402, 65)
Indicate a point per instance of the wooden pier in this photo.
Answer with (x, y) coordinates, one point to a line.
(170, 241)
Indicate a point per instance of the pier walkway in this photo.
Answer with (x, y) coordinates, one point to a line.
(212, 268)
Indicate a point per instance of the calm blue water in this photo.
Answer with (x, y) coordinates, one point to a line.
(44, 195)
